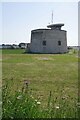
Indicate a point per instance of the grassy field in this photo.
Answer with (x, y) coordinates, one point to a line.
(49, 82)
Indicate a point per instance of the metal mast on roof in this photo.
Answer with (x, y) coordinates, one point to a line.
(52, 17)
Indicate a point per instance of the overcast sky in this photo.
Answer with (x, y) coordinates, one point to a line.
(19, 18)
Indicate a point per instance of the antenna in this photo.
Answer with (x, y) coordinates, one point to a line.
(52, 17)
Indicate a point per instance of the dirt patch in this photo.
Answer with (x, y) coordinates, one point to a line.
(44, 58)
(24, 64)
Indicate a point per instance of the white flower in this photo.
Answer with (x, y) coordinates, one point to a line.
(19, 90)
(11, 117)
(9, 101)
(35, 100)
(78, 104)
(57, 107)
(19, 97)
(0, 102)
(38, 103)
(32, 97)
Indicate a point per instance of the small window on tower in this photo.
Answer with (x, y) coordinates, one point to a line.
(44, 42)
(59, 42)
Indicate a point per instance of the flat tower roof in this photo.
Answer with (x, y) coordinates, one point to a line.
(55, 25)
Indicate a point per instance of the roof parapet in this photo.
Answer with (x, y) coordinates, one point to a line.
(55, 26)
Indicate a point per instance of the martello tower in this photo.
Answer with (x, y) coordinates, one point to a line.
(49, 40)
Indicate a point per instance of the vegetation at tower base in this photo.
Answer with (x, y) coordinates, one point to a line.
(40, 85)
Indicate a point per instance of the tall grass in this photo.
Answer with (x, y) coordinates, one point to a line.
(24, 105)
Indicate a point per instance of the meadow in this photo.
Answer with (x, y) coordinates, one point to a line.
(39, 85)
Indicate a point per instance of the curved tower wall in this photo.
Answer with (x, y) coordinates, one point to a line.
(48, 41)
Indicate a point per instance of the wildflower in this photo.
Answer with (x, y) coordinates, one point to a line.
(21, 107)
(11, 117)
(9, 101)
(19, 90)
(0, 102)
(35, 100)
(19, 97)
(38, 103)
(31, 96)
(78, 104)
(26, 82)
(64, 117)
(57, 107)
(64, 98)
